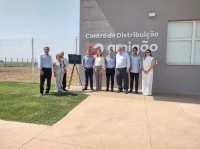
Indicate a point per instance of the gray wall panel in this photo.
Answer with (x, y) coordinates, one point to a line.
(112, 16)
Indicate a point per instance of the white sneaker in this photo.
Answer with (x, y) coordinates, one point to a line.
(40, 94)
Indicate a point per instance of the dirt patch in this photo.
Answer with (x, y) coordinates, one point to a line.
(24, 74)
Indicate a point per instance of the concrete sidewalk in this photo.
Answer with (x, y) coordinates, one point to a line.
(13, 135)
(108, 120)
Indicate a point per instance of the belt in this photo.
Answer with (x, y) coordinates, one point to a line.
(122, 68)
(88, 68)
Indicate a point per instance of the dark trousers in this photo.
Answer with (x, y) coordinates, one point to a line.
(110, 73)
(122, 75)
(64, 82)
(134, 76)
(47, 75)
(89, 75)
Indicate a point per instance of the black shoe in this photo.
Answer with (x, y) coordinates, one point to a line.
(136, 92)
(85, 88)
(126, 92)
(130, 91)
(119, 91)
(107, 89)
(65, 90)
(47, 92)
(112, 90)
(92, 89)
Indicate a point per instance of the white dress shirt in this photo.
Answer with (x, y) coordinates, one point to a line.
(65, 62)
(122, 60)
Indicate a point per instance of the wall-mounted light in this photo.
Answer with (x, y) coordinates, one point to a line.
(152, 14)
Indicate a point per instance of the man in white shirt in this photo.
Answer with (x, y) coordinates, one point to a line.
(65, 62)
(122, 69)
(45, 63)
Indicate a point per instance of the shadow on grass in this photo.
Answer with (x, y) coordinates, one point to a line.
(63, 94)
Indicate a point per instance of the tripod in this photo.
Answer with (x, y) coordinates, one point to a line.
(72, 75)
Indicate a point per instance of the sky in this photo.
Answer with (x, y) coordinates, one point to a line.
(39, 18)
(53, 23)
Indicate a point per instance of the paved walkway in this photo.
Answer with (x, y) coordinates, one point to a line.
(108, 120)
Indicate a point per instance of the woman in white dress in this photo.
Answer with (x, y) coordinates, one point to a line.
(58, 68)
(147, 73)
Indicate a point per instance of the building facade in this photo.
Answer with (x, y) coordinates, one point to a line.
(170, 28)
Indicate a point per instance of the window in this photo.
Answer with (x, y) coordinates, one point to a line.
(183, 45)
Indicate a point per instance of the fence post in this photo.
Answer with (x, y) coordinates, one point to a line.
(17, 61)
(35, 62)
(5, 61)
(27, 61)
(32, 60)
(11, 61)
(75, 71)
(22, 62)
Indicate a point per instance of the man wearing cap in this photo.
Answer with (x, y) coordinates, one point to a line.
(122, 69)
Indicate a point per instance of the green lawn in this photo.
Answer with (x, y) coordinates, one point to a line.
(20, 102)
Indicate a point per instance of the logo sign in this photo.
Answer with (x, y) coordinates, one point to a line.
(94, 48)
(128, 46)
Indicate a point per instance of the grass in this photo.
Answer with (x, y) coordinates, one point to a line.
(20, 102)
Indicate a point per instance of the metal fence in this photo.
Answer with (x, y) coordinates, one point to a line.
(19, 57)
(16, 62)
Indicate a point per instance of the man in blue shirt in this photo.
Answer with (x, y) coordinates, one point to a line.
(88, 64)
(45, 65)
(110, 62)
(136, 65)
(122, 69)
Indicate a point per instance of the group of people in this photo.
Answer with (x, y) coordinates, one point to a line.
(59, 67)
(124, 65)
